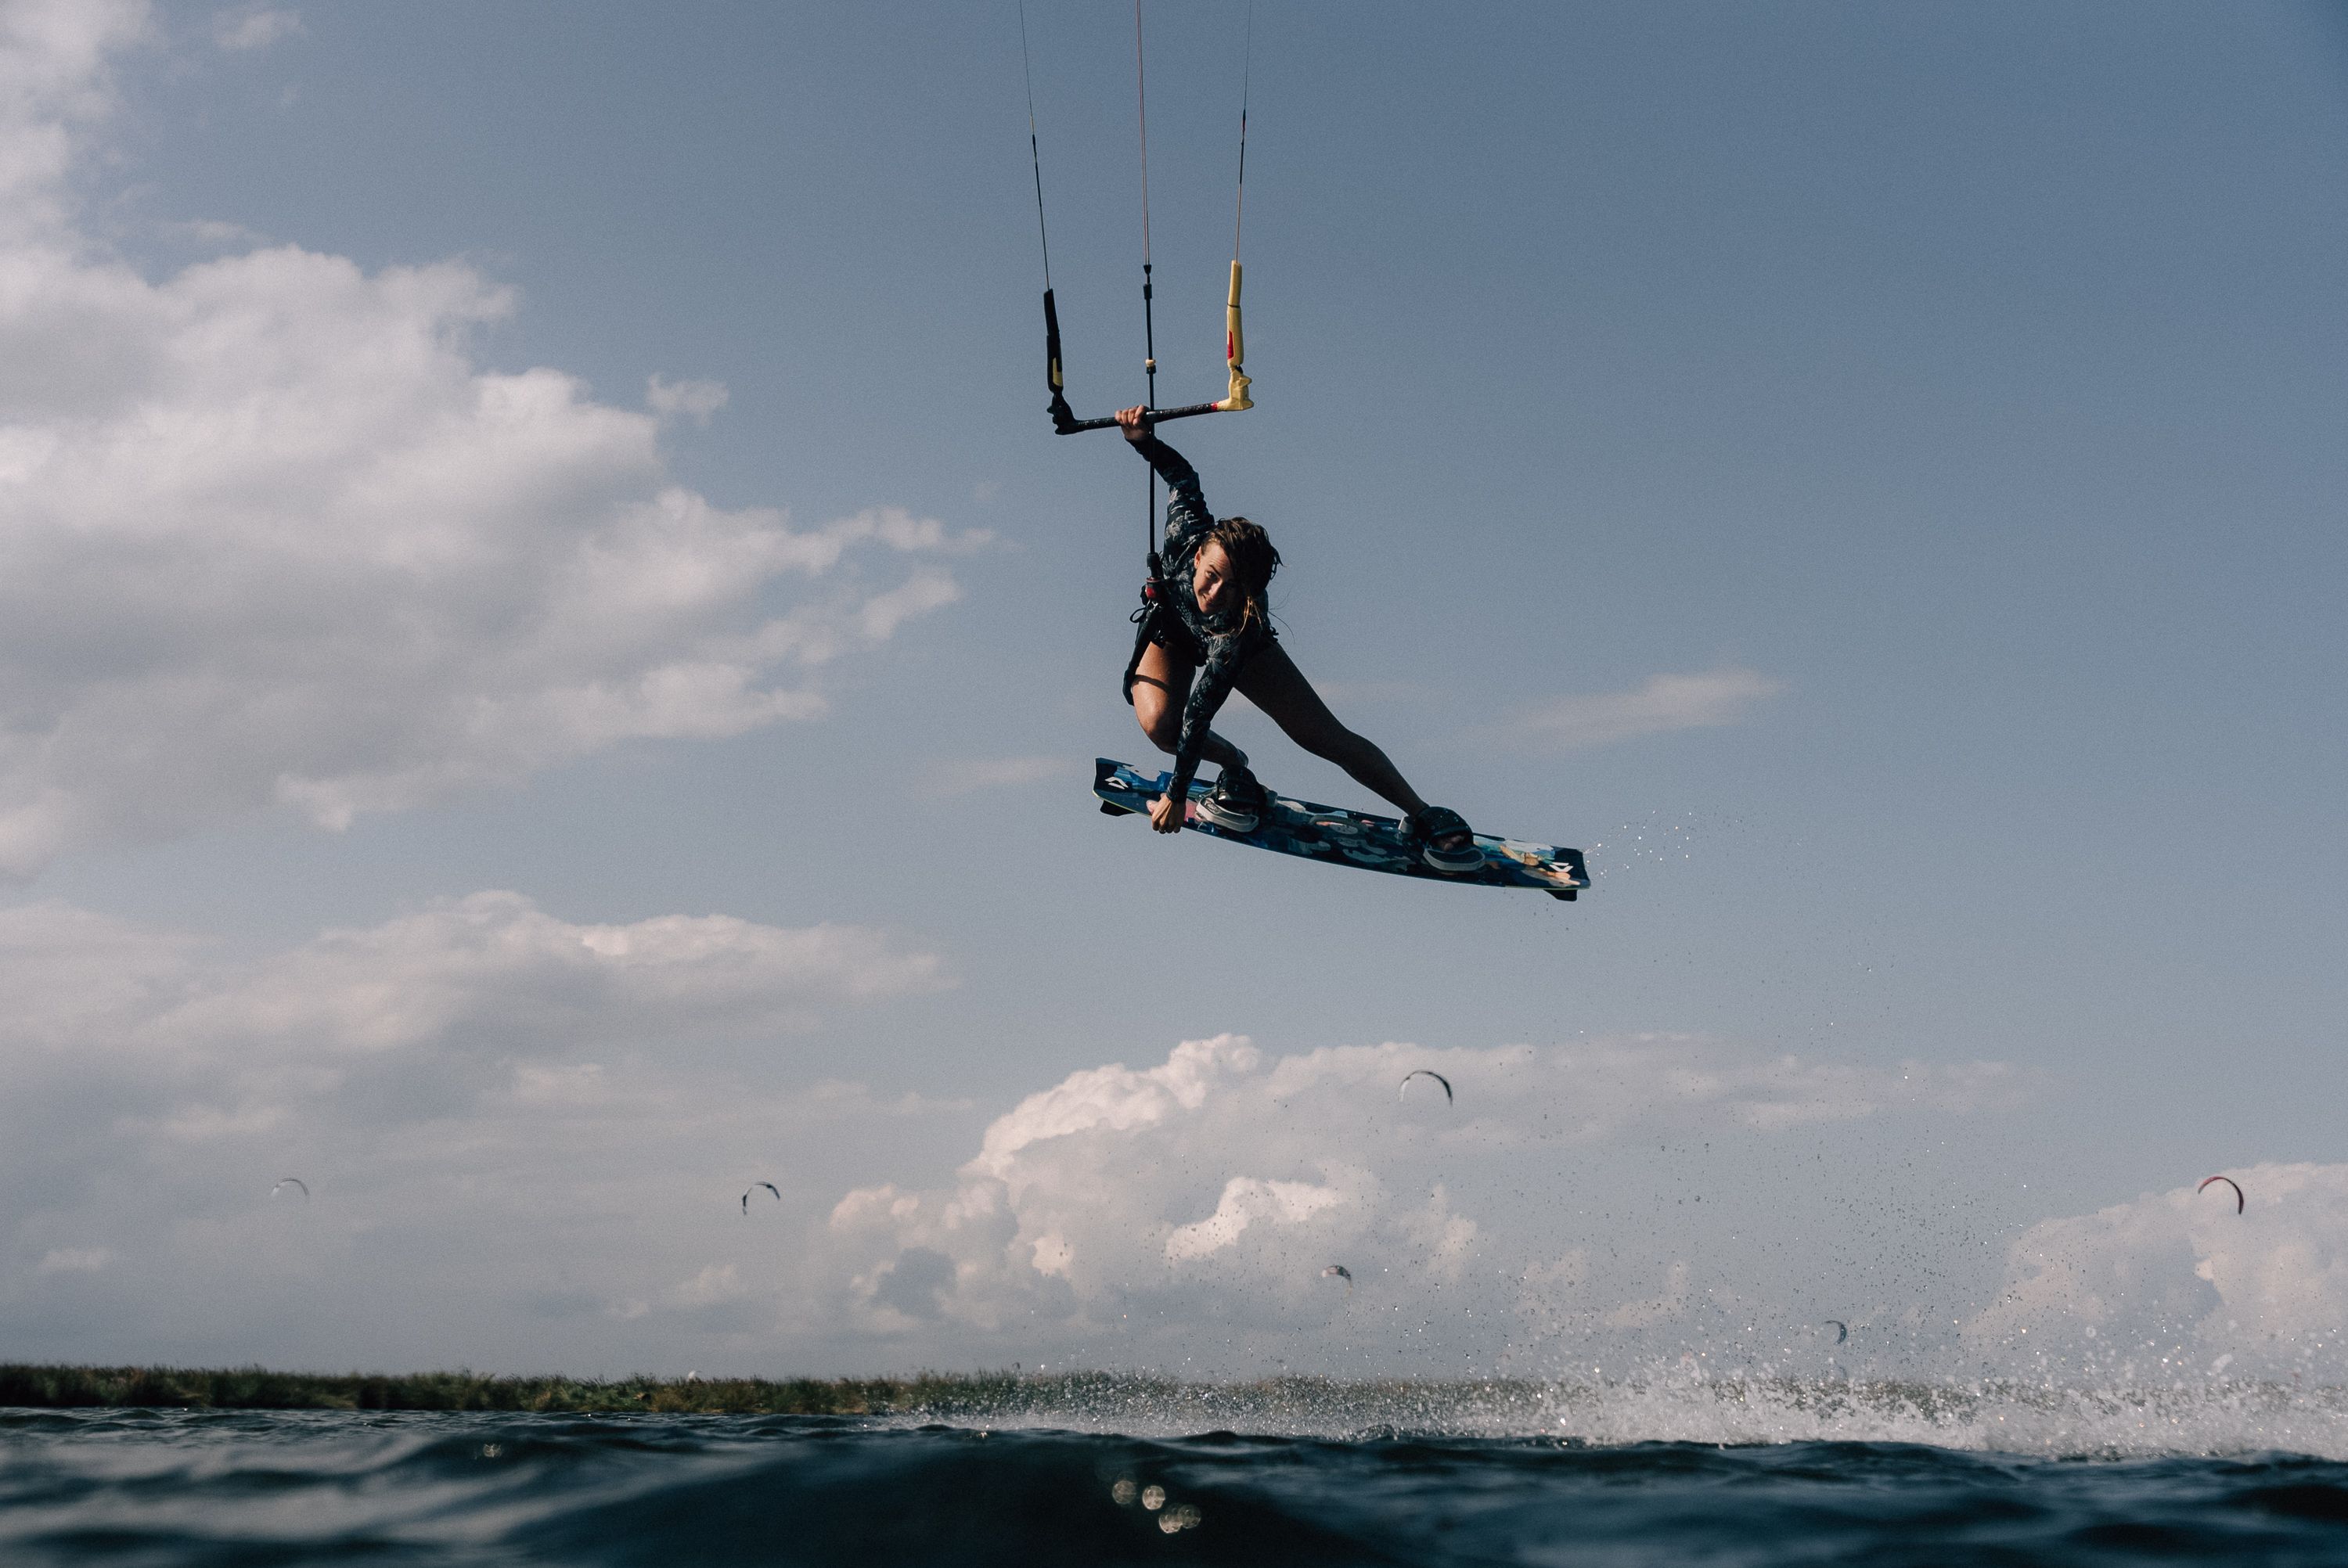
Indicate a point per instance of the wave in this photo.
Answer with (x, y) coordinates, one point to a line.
(86, 1487)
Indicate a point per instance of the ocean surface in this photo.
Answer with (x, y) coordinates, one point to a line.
(1722, 1473)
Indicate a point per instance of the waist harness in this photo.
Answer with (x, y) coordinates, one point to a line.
(1154, 603)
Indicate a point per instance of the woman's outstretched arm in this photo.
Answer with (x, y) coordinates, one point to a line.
(1186, 501)
(1199, 710)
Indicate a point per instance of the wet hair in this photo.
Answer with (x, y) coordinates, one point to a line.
(1253, 561)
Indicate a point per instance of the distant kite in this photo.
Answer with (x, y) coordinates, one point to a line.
(2229, 1181)
(1339, 1271)
(1423, 1073)
(284, 1181)
(754, 1187)
(1842, 1329)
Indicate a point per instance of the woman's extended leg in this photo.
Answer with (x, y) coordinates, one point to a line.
(1161, 684)
(1271, 681)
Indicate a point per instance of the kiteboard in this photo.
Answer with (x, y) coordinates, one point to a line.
(1336, 837)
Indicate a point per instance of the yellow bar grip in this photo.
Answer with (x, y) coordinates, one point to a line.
(1234, 348)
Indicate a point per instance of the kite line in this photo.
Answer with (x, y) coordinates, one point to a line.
(1235, 398)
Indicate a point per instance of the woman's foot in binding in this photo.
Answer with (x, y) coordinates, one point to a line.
(1442, 839)
(1236, 803)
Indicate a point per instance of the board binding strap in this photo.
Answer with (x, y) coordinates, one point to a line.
(1335, 837)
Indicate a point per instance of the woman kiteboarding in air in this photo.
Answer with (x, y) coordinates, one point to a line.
(1203, 633)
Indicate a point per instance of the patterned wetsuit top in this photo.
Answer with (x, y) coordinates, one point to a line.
(1224, 643)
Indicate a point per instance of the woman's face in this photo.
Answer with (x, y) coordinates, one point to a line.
(1212, 582)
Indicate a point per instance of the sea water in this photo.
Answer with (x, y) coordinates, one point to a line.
(1726, 1472)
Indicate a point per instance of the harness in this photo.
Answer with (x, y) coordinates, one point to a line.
(1155, 602)
(1157, 611)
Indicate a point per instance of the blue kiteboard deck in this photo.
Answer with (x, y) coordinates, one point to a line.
(1340, 837)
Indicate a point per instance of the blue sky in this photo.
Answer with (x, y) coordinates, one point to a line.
(1945, 397)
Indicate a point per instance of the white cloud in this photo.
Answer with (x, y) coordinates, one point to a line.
(1247, 1201)
(53, 83)
(1657, 706)
(493, 968)
(480, 1095)
(409, 1018)
(717, 1283)
(270, 533)
(1204, 1195)
(256, 27)
(697, 400)
(2270, 1281)
(527, 1140)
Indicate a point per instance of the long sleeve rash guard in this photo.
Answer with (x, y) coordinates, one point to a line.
(1226, 641)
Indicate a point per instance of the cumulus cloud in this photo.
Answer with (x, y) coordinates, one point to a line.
(54, 84)
(1245, 1200)
(527, 1140)
(271, 535)
(1206, 1194)
(2269, 1282)
(715, 1285)
(1659, 704)
(437, 1004)
(697, 400)
(479, 1094)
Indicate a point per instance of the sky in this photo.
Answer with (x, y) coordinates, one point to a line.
(549, 660)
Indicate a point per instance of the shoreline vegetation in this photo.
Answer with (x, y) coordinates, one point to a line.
(938, 1395)
(258, 1389)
